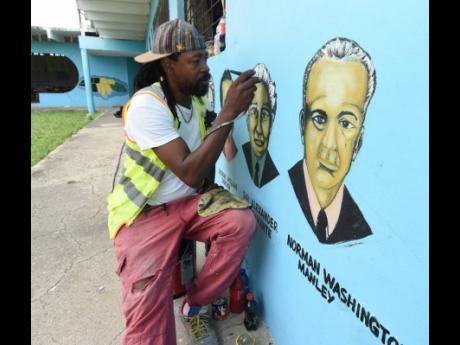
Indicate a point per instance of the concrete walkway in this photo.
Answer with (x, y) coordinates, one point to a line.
(75, 294)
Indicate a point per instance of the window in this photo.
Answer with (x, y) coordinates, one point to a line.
(208, 17)
(52, 73)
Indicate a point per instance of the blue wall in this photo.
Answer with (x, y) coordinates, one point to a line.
(133, 67)
(387, 272)
(105, 66)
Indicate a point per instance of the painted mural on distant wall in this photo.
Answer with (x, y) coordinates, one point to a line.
(106, 87)
(260, 118)
(339, 82)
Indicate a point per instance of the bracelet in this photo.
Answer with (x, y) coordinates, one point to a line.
(223, 124)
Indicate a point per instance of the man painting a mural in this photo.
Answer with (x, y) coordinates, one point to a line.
(261, 115)
(338, 84)
(159, 199)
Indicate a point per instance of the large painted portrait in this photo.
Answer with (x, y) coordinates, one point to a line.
(260, 118)
(338, 85)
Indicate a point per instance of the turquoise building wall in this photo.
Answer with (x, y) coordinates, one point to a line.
(385, 273)
(122, 69)
(132, 68)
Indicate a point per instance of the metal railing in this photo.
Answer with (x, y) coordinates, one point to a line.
(204, 14)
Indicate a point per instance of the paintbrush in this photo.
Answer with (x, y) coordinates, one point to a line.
(234, 72)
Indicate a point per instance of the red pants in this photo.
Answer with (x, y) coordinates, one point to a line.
(147, 252)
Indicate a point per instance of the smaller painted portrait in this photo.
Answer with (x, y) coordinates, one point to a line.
(260, 118)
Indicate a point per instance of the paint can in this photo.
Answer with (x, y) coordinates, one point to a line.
(220, 309)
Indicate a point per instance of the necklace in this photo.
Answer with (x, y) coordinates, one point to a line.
(183, 117)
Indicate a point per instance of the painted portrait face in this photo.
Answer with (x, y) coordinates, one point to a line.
(336, 93)
(259, 120)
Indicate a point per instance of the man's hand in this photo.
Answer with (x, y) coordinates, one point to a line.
(240, 93)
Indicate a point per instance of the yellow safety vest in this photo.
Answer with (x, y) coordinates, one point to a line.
(143, 170)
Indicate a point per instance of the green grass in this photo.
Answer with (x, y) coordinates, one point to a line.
(50, 129)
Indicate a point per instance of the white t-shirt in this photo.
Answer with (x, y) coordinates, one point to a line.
(150, 124)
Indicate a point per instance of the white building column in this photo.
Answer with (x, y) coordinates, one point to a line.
(87, 77)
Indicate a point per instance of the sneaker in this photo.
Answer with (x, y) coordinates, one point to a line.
(194, 309)
(197, 326)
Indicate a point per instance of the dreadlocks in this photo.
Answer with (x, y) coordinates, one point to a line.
(153, 72)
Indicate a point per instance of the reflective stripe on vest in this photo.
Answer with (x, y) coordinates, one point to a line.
(201, 102)
(142, 169)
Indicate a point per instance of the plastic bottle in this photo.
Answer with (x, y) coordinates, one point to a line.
(237, 295)
(245, 279)
(251, 317)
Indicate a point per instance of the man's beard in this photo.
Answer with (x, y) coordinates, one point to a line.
(199, 88)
